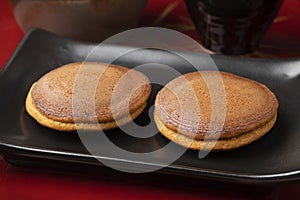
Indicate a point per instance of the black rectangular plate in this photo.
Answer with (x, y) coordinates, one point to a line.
(273, 159)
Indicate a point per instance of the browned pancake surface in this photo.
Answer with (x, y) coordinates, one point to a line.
(53, 95)
(248, 104)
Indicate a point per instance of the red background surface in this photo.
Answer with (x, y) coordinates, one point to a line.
(282, 40)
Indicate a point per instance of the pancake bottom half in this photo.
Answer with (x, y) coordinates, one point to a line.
(222, 144)
(64, 126)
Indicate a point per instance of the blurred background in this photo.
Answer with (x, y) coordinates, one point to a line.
(281, 40)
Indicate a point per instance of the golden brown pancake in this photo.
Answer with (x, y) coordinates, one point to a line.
(62, 97)
(250, 110)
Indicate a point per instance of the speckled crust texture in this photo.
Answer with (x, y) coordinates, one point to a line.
(119, 92)
(249, 104)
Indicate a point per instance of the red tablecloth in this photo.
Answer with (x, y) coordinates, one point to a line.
(282, 40)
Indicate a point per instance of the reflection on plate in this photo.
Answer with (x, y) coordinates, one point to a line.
(274, 158)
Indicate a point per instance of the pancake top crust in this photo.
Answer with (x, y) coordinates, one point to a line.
(115, 91)
(186, 104)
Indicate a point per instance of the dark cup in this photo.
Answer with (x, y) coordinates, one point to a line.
(232, 26)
